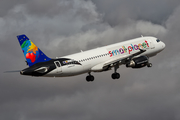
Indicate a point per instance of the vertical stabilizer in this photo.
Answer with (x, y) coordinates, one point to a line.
(31, 52)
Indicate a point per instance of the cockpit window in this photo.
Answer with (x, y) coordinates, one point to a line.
(158, 40)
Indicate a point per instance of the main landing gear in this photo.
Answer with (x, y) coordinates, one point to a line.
(90, 78)
(115, 75)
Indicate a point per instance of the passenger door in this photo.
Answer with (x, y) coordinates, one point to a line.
(58, 66)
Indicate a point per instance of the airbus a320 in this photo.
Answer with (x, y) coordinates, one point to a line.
(133, 53)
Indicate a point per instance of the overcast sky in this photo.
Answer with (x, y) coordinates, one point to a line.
(61, 27)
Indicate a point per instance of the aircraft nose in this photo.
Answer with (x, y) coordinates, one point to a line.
(163, 45)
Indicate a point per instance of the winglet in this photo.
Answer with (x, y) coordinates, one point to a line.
(31, 52)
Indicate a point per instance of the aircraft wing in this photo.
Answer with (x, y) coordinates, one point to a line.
(119, 60)
(124, 59)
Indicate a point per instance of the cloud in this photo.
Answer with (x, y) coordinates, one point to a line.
(119, 11)
(61, 27)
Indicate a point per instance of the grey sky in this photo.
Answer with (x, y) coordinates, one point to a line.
(61, 27)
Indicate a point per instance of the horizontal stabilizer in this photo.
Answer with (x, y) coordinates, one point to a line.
(12, 71)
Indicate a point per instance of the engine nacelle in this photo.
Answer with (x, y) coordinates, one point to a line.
(139, 62)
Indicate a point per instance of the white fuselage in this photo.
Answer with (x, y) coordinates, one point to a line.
(93, 60)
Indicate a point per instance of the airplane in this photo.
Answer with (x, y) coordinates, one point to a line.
(134, 53)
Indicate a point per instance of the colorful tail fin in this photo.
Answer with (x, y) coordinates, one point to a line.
(31, 52)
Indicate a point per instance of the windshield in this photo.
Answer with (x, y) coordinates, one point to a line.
(158, 40)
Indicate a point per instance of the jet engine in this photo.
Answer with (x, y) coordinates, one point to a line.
(139, 62)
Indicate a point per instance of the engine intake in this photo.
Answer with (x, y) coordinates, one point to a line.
(138, 62)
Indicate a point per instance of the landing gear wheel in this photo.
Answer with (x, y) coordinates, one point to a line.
(115, 76)
(149, 65)
(90, 78)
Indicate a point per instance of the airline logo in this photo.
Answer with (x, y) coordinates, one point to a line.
(30, 50)
(129, 49)
(67, 61)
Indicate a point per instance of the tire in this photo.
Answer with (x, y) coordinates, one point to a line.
(91, 78)
(149, 65)
(113, 76)
(88, 78)
(117, 75)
